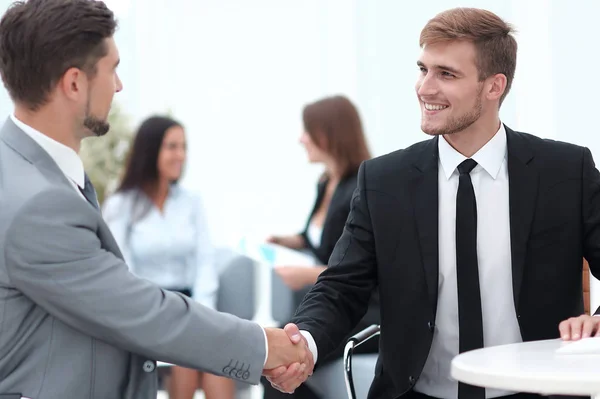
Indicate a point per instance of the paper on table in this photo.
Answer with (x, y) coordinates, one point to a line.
(584, 346)
(273, 254)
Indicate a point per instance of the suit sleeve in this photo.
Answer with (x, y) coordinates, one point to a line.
(55, 257)
(591, 213)
(340, 297)
(336, 220)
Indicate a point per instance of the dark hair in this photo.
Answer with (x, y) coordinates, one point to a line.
(41, 39)
(493, 38)
(334, 125)
(141, 172)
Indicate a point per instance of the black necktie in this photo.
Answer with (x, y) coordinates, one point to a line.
(470, 323)
(89, 192)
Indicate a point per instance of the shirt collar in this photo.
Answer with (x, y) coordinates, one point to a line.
(489, 157)
(65, 157)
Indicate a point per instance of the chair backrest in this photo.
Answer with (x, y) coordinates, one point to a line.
(236, 287)
(283, 300)
(328, 381)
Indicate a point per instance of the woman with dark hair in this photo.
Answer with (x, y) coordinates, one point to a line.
(163, 235)
(333, 136)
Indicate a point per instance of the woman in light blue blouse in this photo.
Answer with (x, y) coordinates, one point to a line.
(161, 230)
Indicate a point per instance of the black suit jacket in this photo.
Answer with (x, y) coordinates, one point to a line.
(333, 227)
(391, 240)
(336, 217)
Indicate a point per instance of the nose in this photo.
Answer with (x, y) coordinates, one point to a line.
(426, 85)
(302, 138)
(119, 85)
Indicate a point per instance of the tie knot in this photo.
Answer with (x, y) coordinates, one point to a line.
(466, 166)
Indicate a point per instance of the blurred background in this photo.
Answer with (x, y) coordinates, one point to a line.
(238, 73)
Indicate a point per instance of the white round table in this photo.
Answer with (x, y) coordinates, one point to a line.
(533, 367)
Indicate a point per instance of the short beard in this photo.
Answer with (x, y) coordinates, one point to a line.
(98, 127)
(460, 123)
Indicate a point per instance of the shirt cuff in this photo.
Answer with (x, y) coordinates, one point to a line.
(312, 346)
(266, 347)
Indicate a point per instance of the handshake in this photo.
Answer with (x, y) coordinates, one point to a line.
(289, 362)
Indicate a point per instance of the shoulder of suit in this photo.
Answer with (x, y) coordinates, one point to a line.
(41, 213)
(545, 146)
(52, 201)
(16, 192)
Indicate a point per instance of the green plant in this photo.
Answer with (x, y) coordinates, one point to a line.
(104, 157)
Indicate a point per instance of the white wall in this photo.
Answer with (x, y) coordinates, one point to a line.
(237, 74)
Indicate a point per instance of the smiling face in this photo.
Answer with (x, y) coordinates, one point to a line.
(172, 154)
(448, 88)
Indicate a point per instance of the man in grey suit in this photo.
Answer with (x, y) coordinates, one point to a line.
(74, 323)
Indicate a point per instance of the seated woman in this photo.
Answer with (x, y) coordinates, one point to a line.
(161, 230)
(333, 136)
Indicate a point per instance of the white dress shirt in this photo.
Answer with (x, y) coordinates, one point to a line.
(500, 326)
(70, 164)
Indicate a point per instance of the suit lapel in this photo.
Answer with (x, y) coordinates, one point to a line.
(523, 187)
(426, 215)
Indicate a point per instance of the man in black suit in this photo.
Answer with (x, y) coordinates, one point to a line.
(474, 238)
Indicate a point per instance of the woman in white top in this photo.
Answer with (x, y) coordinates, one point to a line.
(163, 235)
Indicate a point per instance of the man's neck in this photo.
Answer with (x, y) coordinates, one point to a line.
(49, 123)
(473, 138)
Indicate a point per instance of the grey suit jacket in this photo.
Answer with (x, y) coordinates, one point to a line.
(74, 322)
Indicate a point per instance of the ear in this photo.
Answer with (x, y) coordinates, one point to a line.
(323, 143)
(73, 83)
(495, 87)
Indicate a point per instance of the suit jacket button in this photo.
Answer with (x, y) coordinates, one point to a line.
(411, 380)
(431, 326)
(149, 366)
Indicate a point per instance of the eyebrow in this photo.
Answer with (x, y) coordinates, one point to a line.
(442, 67)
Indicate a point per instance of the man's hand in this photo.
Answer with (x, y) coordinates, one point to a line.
(286, 371)
(583, 326)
